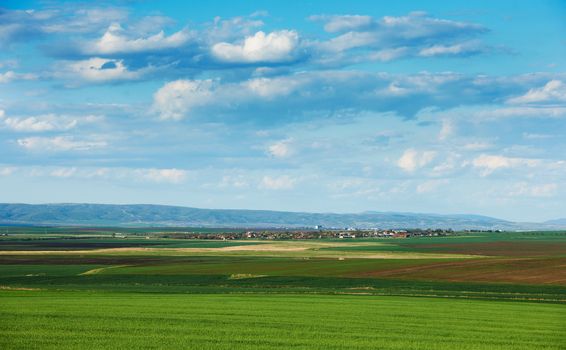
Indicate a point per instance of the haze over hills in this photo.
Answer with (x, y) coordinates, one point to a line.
(559, 222)
(162, 215)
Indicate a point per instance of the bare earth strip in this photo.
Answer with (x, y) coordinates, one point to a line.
(102, 269)
(282, 249)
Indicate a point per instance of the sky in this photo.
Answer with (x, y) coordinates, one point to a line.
(320, 106)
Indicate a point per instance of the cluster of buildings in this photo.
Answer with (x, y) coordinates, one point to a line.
(317, 233)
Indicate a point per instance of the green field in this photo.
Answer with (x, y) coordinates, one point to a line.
(72, 320)
(71, 289)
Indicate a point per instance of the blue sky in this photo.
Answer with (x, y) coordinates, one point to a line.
(424, 106)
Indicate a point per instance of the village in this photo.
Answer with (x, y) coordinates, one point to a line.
(305, 234)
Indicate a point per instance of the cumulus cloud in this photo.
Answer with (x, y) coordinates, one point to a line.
(283, 182)
(135, 45)
(115, 41)
(412, 159)
(176, 99)
(144, 45)
(19, 25)
(490, 163)
(335, 90)
(552, 92)
(273, 87)
(97, 70)
(179, 98)
(275, 47)
(59, 144)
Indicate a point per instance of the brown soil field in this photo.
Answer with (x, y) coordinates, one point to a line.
(520, 271)
(522, 249)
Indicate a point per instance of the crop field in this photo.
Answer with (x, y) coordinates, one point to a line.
(86, 288)
(71, 320)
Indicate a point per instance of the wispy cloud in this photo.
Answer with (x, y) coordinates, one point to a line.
(45, 122)
(413, 35)
(59, 144)
(282, 182)
(9, 76)
(552, 92)
(490, 163)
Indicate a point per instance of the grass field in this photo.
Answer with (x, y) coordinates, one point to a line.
(79, 289)
(71, 320)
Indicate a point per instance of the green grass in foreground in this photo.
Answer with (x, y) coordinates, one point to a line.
(81, 320)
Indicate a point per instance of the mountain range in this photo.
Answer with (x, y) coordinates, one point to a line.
(70, 214)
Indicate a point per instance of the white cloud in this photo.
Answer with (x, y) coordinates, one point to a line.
(417, 34)
(172, 175)
(490, 163)
(272, 87)
(63, 172)
(281, 149)
(333, 89)
(97, 70)
(450, 163)
(235, 181)
(387, 55)
(7, 171)
(534, 136)
(542, 190)
(46, 122)
(447, 130)
(431, 186)
(523, 112)
(412, 160)
(465, 48)
(75, 19)
(114, 41)
(10, 76)
(348, 41)
(477, 146)
(283, 182)
(157, 175)
(483, 113)
(553, 91)
(9, 63)
(344, 23)
(279, 46)
(176, 99)
(59, 143)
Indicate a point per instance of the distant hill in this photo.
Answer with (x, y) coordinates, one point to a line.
(161, 215)
(558, 222)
